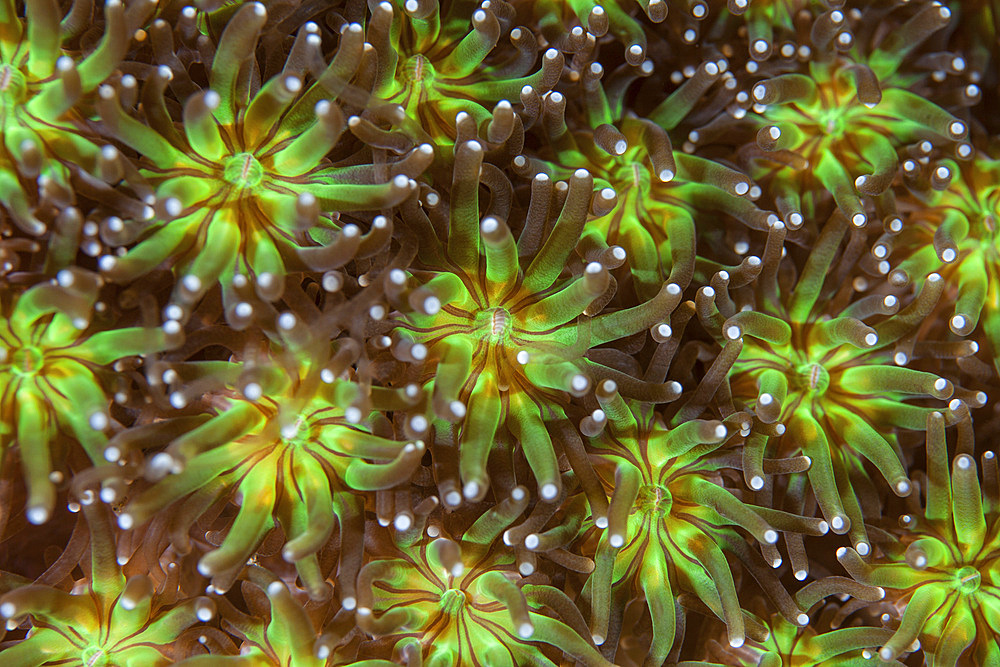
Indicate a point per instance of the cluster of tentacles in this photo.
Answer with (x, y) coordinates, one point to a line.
(499, 332)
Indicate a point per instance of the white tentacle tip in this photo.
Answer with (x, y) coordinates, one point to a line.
(37, 515)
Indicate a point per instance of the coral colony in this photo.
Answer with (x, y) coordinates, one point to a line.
(499, 333)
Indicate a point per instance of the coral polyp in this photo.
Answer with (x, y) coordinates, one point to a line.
(509, 342)
(835, 130)
(245, 189)
(941, 570)
(806, 361)
(670, 522)
(445, 62)
(646, 194)
(40, 84)
(108, 619)
(289, 437)
(53, 371)
(465, 603)
(951, 228)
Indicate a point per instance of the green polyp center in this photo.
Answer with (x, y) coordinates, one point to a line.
(26, 360)
(418, 71)
(640, 176)
(989, 223)
(832, 122)
(811, 377)
(243, 170)
(627, 172)
(295, 433)
(496, 324)
(452, 601)
(833, 108)
(95, 656)
(13, 86)
(967, 580)
(654, 499)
